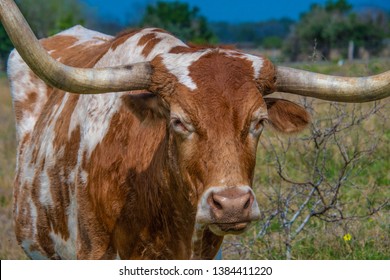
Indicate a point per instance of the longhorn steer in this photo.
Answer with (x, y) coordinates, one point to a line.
(159, 167)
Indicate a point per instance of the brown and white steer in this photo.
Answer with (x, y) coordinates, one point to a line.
(159, 173)
(139, 175)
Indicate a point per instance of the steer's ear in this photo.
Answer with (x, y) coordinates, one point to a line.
(286, 116)
(146, 106)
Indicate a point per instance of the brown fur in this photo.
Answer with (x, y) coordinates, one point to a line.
(227, 87)
(160, 31)
(58, 43)
(26, 105)
(83, 56)
(150, 45)
(149, 41)
(286, 116)
(267, 78)
(146, 38)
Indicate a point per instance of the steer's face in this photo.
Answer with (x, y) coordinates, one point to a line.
(215, 115)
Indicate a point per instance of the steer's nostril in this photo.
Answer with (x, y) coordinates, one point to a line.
(217, 204)
(247, 203)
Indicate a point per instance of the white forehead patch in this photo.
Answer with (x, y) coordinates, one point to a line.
(177, 64)
(257, 62)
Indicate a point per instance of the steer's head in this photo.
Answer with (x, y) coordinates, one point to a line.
(216, 111)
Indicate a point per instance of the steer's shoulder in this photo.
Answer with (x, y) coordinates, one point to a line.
(77, 46)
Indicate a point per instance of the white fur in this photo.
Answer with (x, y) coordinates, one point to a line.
(66, 249)
(85, 35)
(178, 65)
(130, 52)
(165, 45)
(96, 118)
(257, 62)
(45, 197)
(21, 85)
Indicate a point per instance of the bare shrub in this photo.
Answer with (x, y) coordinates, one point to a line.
(333, 174)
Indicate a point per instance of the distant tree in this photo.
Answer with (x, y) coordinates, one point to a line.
(45, 18)
(253, 32)
(49, 17)
(341, 6)
(180, 19)
(272, 42)
(5, 47)
(332, 26)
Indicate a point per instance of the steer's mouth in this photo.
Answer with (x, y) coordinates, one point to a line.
(229, 228)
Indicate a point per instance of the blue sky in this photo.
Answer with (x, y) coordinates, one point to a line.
(225, 10)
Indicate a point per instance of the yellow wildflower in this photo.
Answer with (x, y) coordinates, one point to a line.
(347, 237)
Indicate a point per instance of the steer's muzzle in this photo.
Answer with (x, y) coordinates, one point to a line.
(228, 210)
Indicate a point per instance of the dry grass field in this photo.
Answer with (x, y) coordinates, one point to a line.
(8, 246)
(351, 229)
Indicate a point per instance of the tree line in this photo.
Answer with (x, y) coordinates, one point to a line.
(333, 26)
(323, 28)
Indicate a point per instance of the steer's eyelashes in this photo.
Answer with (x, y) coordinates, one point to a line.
(257, 122)
(180, 126)
(257, 126)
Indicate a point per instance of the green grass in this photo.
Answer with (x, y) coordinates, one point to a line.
(357, 68)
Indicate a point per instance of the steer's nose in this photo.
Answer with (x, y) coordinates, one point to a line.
(231, 205)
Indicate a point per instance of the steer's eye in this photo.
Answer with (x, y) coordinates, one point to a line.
(178, 125)
(257, 126)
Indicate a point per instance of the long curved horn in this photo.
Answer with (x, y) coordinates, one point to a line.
(333, 88)
(71, 79)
